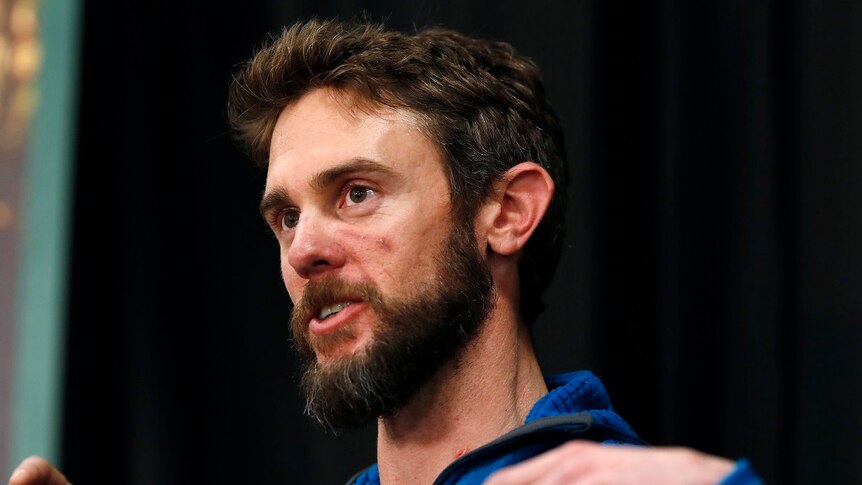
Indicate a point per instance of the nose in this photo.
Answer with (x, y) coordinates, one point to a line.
(315, 249)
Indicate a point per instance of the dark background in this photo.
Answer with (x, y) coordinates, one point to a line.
(713, 276)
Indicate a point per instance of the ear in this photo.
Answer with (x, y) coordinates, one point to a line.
(519, 202)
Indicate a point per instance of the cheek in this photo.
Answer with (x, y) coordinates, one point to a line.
(384, 244)
(366, 242)
(292, 282)
(292, 285)
(378, 254)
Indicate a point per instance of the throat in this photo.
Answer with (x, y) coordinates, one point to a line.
(463, 408)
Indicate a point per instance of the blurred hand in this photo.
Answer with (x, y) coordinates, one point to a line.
(585, 462)
(37, 471)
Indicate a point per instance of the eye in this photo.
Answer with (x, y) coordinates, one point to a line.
(289, 219)
(358, 194)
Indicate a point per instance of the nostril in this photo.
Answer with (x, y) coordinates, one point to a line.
(320, 262)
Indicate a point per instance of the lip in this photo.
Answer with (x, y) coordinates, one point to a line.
(331, 324)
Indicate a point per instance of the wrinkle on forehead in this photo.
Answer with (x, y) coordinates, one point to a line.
(354, 107)
(355, 104)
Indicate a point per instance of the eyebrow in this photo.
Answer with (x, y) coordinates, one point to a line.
(273, 199)
(279, 197)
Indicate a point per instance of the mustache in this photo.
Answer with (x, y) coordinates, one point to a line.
(320, 293)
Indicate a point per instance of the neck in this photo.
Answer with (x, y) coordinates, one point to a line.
(486, 393)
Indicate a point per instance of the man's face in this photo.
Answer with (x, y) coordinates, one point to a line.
(387, 287)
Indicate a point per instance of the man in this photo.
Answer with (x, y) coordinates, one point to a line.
(415, 184)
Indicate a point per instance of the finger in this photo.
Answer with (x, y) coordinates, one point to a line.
(571, 455)
(36, 470)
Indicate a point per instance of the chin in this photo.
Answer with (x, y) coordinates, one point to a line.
(338, 350)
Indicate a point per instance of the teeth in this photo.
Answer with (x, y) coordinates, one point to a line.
(331, 310)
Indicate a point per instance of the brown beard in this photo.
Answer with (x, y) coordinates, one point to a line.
(414, 337)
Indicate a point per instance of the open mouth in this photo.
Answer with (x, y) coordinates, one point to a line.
(331, 310)
(332, 316)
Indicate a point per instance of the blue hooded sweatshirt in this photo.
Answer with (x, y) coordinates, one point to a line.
(577, 407)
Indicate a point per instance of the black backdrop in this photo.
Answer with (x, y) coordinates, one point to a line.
(713, 276)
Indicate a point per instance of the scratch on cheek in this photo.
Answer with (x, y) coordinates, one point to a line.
(384, 244)
(365, 240)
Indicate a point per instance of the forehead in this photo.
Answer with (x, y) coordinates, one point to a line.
(328, 126)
